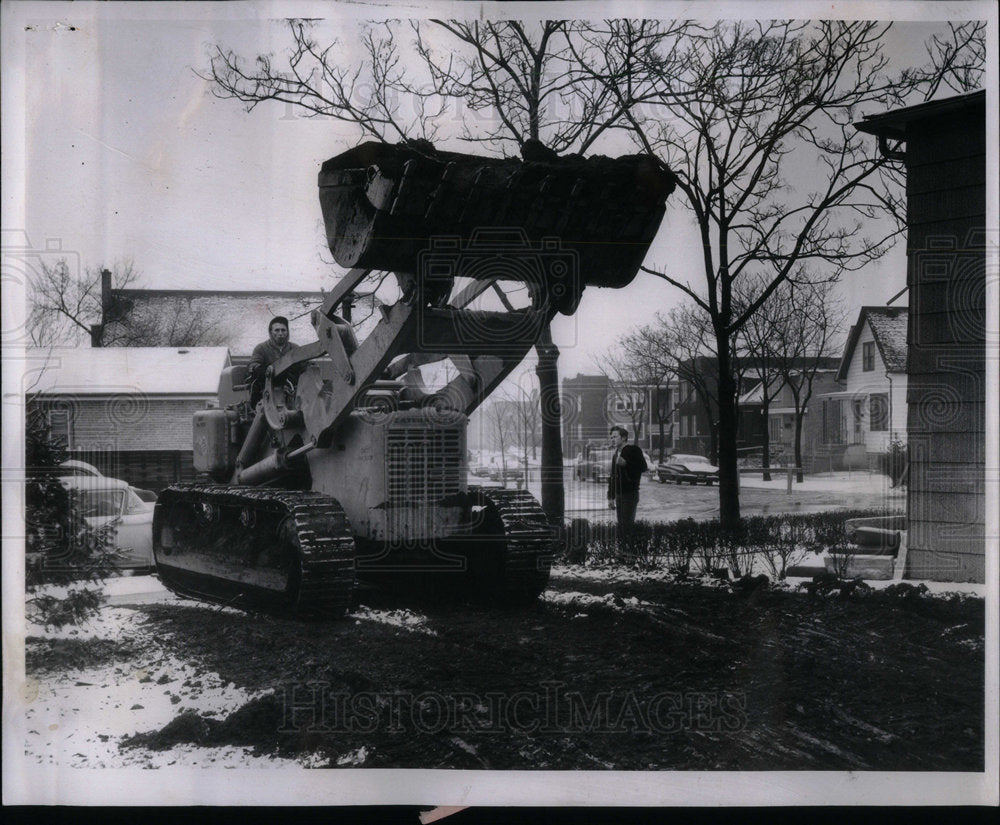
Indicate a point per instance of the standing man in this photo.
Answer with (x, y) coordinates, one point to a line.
(627, 466)
(266, 353)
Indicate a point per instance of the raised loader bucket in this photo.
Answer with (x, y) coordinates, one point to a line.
(384, 205)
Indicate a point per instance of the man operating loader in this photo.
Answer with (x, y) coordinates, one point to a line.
(266, 353)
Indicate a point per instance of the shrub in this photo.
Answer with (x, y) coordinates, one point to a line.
(60, 547)
(893, 462)
(780, 541)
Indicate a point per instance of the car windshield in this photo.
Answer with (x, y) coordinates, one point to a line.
(100, 503)
(135, 505)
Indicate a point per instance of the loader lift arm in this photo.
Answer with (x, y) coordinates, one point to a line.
(430, 217)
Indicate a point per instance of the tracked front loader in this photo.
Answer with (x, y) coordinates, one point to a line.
(360, 470)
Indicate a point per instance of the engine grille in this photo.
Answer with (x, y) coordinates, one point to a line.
(424, 465)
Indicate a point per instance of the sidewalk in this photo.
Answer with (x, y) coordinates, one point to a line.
(837, 482)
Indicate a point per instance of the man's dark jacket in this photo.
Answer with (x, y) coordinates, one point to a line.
(625, 480)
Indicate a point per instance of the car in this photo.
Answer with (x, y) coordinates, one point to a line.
(593, 464)
(74, 467)
(103, 501)
(508, 474)
(683, 467)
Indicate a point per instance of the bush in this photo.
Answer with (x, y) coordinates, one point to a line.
(893, 462)
(60, 547)
(779, 541)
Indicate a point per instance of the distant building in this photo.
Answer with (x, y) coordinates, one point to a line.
(592, 404)
(235, 319)
(945, 157)
(867, 413)
(127, 410)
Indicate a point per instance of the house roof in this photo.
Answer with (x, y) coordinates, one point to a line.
(755, 395)
(106, 371)
(888, 326)
(894, 124)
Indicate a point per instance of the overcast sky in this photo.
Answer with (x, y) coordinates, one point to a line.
(128, 155)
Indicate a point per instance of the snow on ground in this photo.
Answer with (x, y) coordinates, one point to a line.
(403, 618)
(77, 718)
(857, 481)
(589, 600)
(620, 575)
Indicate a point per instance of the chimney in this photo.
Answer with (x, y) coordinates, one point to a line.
(107, 299)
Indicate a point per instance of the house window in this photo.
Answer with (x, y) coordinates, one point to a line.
(59, 426)
(775, 429)
(627, 403)
(868, 356)
(878, 412)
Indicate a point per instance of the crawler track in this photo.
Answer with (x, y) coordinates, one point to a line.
(517, 571)
(255, 547)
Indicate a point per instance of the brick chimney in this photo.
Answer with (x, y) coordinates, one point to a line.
(107, 301)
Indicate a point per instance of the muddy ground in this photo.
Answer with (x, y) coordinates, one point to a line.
(604, 672)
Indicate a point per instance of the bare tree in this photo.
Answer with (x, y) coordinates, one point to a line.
(680, 344)
(501, 430)
(175, 326)
(957, 59)
(64, 305)
(642, 348)
(760, 340)
(756, 119)
(521, 405)
(808, 325)
(69, 309)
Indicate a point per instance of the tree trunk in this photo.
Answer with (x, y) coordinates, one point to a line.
(765, 457)
(729, 491)
(553, 493)
(798, 444)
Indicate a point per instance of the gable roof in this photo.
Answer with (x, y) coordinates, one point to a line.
(888, 326)
(102, 371)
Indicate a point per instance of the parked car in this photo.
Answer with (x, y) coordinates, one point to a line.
(73, 467)
(112, 501)
(593, 464)
(497, 473)
(693, 468)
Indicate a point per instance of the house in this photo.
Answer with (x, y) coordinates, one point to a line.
(945, 160)
(697, 401)
(867, 412)
(781, 411)
(127, 410)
